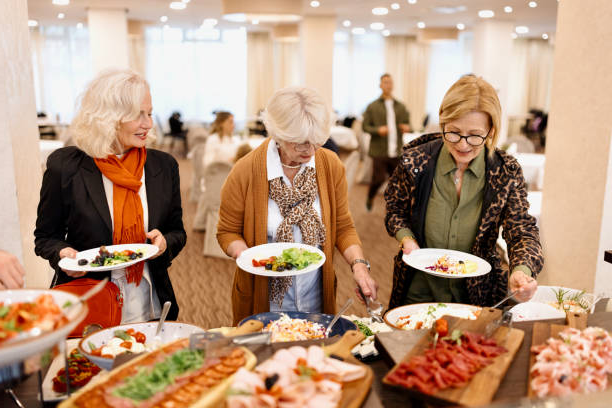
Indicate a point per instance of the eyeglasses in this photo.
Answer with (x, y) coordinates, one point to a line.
(305, 147)
(473, 140)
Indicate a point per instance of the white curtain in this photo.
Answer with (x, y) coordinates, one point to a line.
(408, 62)
(287, 64)
(62, 68)
(260, 72)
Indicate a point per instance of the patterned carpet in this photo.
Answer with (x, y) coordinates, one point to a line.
(202, 284)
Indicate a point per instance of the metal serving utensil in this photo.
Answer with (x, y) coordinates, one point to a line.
(349, 301)
(373, 307)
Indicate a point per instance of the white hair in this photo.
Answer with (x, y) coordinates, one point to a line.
(113, 97)
(298, 115)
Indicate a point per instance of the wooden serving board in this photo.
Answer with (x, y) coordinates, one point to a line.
(482, 387)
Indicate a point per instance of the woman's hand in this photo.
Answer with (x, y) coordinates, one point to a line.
(11, 271)
(157, 239)
(235, 248)
(362, 277)
(409, 244)
(525, 285)
(69, 252)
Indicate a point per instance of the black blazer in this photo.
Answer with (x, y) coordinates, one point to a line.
(73, 212)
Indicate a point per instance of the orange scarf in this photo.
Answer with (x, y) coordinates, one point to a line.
(128, 228)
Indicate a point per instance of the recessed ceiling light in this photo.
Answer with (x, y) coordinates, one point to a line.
(533, 4)
(61, 16)
(255, 22)
(449, 10)
(380, 11)
(545, 36)
(395, 6)
(521, 29)
(32, 23)
(210, 22)
(460, 26)
(177, 5)
(412, 1)
(377, 26)
(314, 3)
(514, 36)
(358, 31)
(421, 24)
(79, 25)
(185, 1)
(508, 9)
(346, 23)
(386, 33)
(61, 2)
(163, 19)
(486, 13)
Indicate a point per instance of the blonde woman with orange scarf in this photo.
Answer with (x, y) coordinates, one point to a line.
(109, 189)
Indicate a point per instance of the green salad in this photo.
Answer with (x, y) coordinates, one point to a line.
(300, 258)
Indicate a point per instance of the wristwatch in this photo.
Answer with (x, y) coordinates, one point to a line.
(363, 261)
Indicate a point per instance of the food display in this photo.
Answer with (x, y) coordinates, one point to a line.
(426, 316)
(293, 377)
(43, 313)
(107, 258)
(369, 328)
(288, 329)
(80, 372)
(291, 258)
(576, 362)
(124, 341)
(446, 265)
(173, 375)
(574, 302)
(452, 363)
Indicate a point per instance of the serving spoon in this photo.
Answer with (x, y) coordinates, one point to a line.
(349, 302)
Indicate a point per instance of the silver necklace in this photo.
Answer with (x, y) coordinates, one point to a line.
(291, 167)
(456, 177)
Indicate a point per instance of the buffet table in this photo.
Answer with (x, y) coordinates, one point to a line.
(396, 344)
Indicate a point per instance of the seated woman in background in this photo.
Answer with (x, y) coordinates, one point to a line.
(222, 144)
(110, 189)
(455, 190)
(290, 190)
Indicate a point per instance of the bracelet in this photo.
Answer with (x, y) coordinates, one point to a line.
(401, 245)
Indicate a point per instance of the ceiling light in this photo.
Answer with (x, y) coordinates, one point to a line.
(255, 22)
(358, 31)
(79, 25)
(211, 22)
(61, 16)
(449, 10)
(177, 5)
(533, 4)
(545, 36)
(163, 19)
(486, 13)
(380, 11)
(61, 2)
(395, 6)
(508, 9)
(412, 1)
(241, 11)
(32, 23)
(421, 24)
(377, 26)
(386, 33)
(314, 3)
(346, 23)
(460, 26)
(514, 36)
(521, 29)
(185, 1)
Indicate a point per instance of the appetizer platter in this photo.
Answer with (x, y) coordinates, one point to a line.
(423, 315)
(108, 258)
(464, 366)
(281, 259)
(447, 263)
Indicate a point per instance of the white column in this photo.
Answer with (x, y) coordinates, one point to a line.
(317, 37)
(20, 166)
(108, 38)
(576, 221)
(492, 47)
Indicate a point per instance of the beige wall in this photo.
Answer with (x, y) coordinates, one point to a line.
(317, 39)
(20, 166)
(108, 38)
(576, 224)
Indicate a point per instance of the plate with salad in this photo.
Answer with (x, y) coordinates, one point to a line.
(281, 259)
(108, 258)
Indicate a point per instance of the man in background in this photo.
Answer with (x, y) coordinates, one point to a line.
(385, 119)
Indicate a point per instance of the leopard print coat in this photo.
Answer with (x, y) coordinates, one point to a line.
(504, 205)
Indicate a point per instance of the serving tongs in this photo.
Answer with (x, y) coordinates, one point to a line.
(215, 344)
(373, 307)
(504, 320)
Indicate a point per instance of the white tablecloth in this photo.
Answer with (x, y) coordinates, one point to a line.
(533, 169)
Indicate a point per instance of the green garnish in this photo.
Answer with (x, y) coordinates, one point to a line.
(364, 328)
(455, 336)
(298, 257)
(4, 311)
(10, 325)
(306, 372)
(92, 346)
(67, 304)
(122, 334)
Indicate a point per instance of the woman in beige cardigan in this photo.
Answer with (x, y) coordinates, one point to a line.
(290, 190)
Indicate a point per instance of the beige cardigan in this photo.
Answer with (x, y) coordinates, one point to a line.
(244, 215)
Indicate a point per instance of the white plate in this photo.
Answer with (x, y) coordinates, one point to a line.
(19, 351)
(245, 260)
(527, 311)
(422, 258)
(48, 395)
(72, 264)
(393, 315)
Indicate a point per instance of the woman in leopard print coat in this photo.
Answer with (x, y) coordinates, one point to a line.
(469, 118)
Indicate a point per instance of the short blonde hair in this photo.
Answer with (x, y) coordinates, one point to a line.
(298, 115)
(472, 94)
(111, 98)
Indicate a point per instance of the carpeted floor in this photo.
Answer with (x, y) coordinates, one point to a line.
(202, 284)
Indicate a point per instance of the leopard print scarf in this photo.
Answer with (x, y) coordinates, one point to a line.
(296, 207)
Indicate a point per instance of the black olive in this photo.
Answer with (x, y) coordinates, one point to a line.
(290, 266)
(461, 262)
(562, 378)
(82, 262)
(280, 268)
(271, 380)
(133, 256)
(269, 266)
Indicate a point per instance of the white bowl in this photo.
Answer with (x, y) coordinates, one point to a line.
(545, 294)
(171, 331)
(528, 311)
(19, 351)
